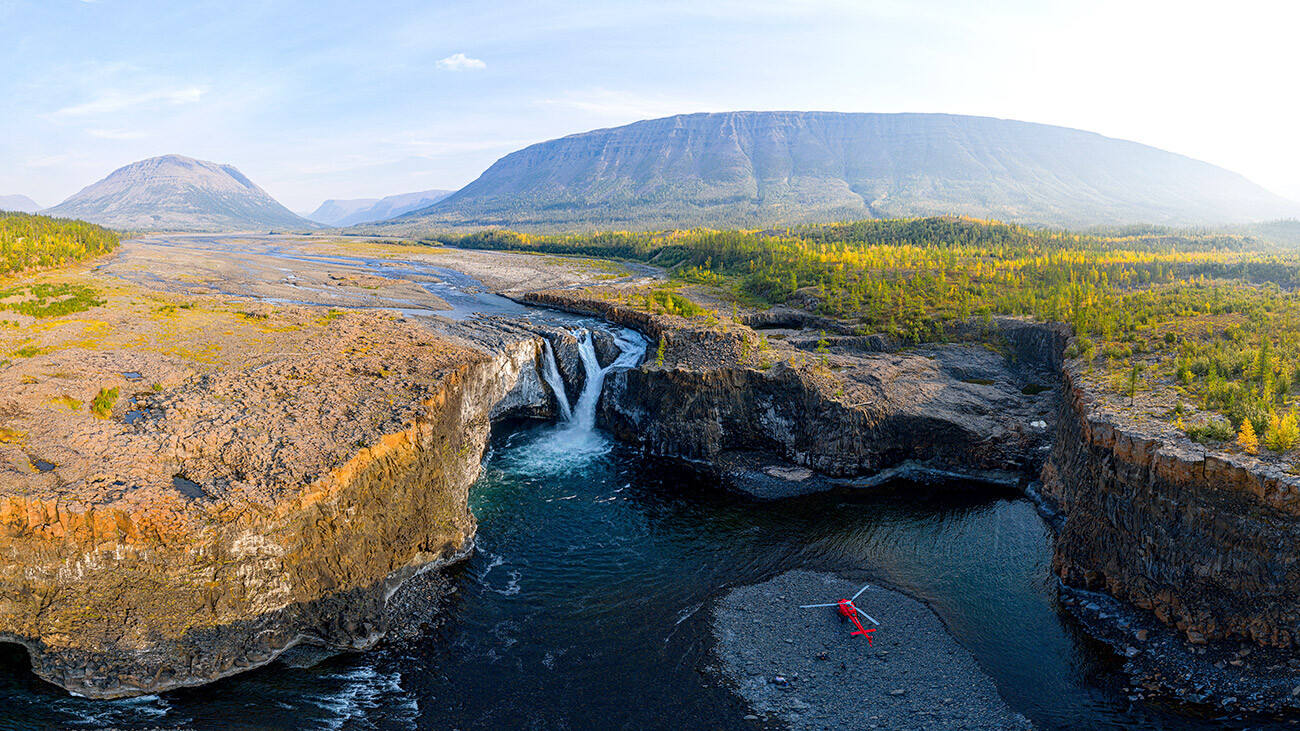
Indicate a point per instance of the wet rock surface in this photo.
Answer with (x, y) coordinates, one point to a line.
(801, 668)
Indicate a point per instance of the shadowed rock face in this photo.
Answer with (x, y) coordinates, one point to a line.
(950, 409)
(1206, 542)
(150, 587)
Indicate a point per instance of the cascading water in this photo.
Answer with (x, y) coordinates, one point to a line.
(574, 441)
(551, 373)
(631, 348)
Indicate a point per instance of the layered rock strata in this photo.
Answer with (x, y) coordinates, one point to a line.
(1206, 541)
(246, 510)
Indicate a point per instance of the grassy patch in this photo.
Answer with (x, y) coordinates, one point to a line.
(102, 405)
(66, 402)
(49, 300)
(29, 351)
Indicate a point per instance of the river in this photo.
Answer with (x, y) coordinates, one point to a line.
(585, 604)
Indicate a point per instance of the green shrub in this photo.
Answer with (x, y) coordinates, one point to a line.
(102, 404)
(1213, 430)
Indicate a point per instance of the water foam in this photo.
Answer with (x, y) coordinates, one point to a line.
(574, 442)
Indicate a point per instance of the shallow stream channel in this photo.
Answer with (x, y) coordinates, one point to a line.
(586, 605)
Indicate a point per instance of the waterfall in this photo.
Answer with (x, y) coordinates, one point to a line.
(631, 348)
(574, 441)
(551, 372)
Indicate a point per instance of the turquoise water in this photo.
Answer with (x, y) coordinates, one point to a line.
(585, 607)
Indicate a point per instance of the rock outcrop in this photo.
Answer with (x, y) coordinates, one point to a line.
(724, 394)
(943, 409)
(233, 518)
(1205, 541)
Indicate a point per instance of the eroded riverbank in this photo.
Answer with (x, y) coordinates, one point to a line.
(842, 405)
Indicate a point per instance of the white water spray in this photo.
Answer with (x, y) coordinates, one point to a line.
(631, 348)
(574, 441)
(551, 372)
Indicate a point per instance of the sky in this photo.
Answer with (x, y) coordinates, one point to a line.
(340, 99)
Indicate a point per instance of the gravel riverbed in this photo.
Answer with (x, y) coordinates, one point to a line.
(801, 667)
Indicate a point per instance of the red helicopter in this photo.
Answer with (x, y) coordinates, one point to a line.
(848, 609)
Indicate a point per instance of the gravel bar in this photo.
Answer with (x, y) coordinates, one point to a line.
(802, 668)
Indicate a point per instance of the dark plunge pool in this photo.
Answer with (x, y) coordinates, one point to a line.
(585, 607)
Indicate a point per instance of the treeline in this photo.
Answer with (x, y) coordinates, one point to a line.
(29, 241)
(1214, 316)
(914, 277)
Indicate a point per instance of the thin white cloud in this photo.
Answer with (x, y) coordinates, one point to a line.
(626, 105)
(116, 134)
(111, 101)
(461, 62)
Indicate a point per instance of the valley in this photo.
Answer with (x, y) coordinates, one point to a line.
(156, 429)
(769, 366)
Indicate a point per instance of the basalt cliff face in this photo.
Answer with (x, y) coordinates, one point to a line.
(1205, 541)
(223, 567)
(858, 415)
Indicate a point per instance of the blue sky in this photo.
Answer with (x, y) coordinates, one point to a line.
(328, 99)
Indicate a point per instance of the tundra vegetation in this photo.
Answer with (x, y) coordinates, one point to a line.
(1211, 321)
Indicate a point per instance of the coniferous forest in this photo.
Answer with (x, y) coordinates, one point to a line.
(1214, 315)
(29, 241)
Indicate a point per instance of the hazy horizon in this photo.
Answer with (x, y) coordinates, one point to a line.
(327, 100)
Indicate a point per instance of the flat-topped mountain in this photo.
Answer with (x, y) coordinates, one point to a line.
(367, 210)
(175, 193)
(764, 168)
(19, 203)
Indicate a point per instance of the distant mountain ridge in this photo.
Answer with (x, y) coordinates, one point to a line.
(177, 193)
(334, 210)
(367, 210)
(755, 169)
(18, 203)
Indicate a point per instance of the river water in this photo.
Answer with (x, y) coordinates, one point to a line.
(586, 604)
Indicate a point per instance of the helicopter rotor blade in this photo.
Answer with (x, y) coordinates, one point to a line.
(855, 596)
(868, 616)
(810, 606)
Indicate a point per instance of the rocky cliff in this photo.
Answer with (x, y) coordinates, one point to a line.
(1205, 541)
(229, 518)
(746, 400)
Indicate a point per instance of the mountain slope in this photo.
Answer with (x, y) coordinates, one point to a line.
(334, 210)
(18, 203)
(367, 210)
(175, 193)
(395, 205)
(763, 168)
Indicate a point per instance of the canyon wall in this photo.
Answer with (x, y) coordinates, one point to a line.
(950, 408)
(1206, 541)
(114, 600)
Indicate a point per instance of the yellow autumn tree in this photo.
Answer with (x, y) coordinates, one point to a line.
(1283, 431)
(1246, 437)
